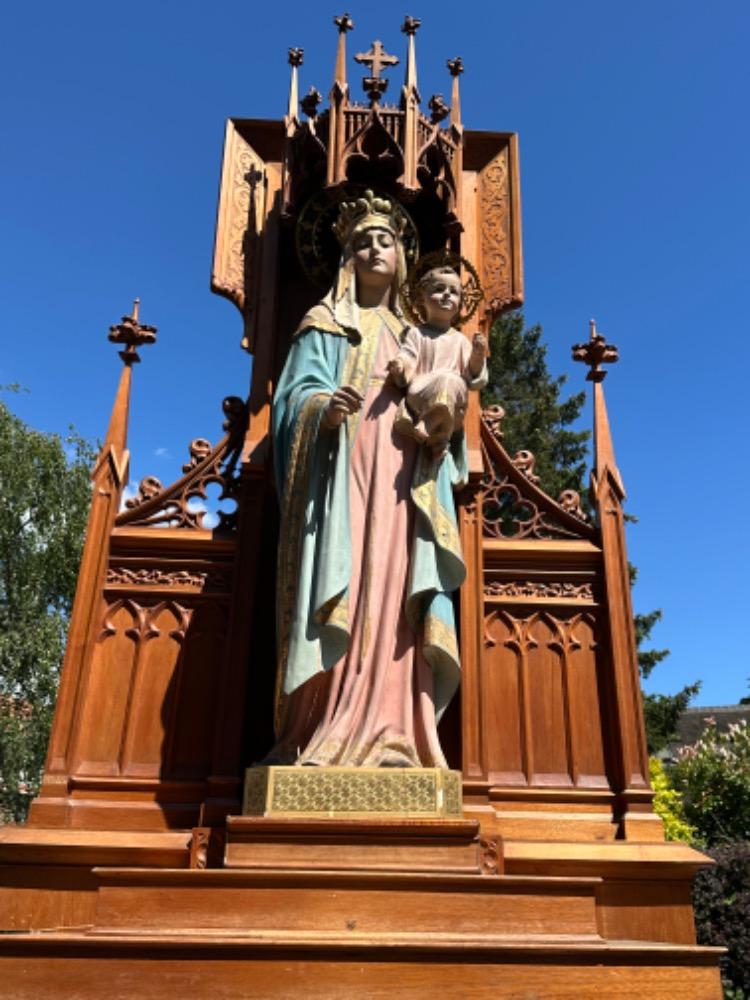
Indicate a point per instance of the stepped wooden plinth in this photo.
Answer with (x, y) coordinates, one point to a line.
(342, 908)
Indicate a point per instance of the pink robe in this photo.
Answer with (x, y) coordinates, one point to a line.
(373, 708)
(436, 372)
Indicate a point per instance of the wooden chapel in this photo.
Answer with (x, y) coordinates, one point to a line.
(137, 871)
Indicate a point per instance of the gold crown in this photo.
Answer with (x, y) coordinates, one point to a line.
(370, 211)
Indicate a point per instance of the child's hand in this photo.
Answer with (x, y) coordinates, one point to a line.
(396, 370)
(479, 345)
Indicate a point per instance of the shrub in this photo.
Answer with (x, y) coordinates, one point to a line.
(668, 804)
(713, 776)
(721, 896)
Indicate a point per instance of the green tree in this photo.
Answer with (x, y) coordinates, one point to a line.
(44, 498)
(537, 418)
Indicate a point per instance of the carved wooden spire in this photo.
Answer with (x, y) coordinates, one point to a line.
(410, 105)
(344, 23)
(338, 98)
(132, 334)
(109, 476)
(595, 352)
(295, 61)
(632, 781)
(410, 27)
(456, 68)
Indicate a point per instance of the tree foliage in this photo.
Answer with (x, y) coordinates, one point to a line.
(537, 418)
(44, 497)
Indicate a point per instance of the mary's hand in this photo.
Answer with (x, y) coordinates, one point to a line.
(344, 401)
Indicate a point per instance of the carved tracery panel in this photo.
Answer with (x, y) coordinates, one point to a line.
(542, 714)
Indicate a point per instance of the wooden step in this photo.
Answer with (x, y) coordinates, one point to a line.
(392, 844)
(334, 901)
(341, 966)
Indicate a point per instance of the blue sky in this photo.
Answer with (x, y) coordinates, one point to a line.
(635, 164)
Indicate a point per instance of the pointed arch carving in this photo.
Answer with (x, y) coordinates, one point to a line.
(542, 713)
(513, 506)
(172, 506)
(373, 142)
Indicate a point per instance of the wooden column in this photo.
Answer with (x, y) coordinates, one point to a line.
(627, 739)
(109, 476)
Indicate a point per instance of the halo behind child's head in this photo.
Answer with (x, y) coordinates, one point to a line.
(432, 264)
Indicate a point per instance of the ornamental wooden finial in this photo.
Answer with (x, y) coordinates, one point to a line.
(595, 352)
(130, 332)
(376, 60)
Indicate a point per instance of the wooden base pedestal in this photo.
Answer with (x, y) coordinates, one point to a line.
(357, 907)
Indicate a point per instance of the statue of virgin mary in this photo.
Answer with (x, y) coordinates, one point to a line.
(369, 551)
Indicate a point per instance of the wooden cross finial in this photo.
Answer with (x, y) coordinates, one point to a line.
(344, 23)
(132, 334)
(411, 25)
(595, 352)
(376, 60)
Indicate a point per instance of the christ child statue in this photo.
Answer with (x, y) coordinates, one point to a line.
(438, 365)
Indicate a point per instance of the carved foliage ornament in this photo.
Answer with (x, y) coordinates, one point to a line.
(241, 218)
(513, 505)
(124, 576)
(539, 589)
(494, 195)
(174, 506)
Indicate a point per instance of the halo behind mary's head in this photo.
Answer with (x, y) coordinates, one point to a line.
(325, 227)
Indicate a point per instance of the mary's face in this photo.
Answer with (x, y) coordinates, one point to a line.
(375, 257)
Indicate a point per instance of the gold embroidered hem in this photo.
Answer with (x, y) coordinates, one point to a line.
(290, 543)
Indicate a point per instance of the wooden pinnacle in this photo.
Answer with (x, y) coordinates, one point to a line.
(130, 332)
(595, 352)
(411, 25)
(344, 23)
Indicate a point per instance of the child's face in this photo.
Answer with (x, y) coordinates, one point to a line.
(441, 299)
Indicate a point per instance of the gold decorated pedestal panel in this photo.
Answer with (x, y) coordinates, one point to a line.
(349, 791)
